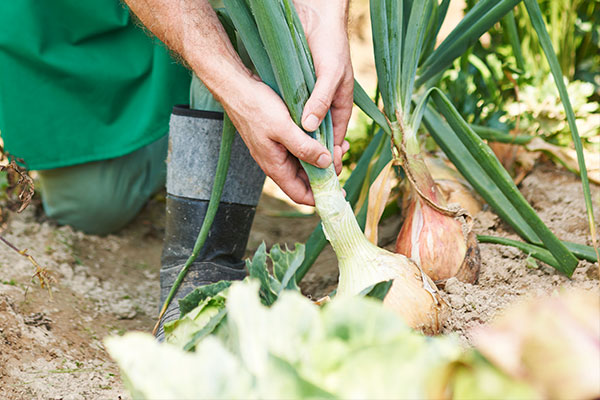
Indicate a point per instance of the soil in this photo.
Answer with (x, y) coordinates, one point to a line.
(51, 347)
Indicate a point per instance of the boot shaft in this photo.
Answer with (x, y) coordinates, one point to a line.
(194, 142)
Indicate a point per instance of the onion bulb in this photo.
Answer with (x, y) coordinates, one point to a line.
(438, 239)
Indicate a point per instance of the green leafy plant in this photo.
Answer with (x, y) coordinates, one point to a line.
(203, 310)
(458, 140)
(353, 347)
(541, 113)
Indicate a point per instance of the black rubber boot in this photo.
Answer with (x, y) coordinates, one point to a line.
(194, 141)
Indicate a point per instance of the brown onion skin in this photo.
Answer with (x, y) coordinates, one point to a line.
(421, 309)
(443, 250)
(446, 248)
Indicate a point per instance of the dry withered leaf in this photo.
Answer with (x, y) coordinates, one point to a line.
(19, 185)
(379, 193)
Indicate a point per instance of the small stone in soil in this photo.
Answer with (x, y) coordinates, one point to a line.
(38, 319)
(453, 286)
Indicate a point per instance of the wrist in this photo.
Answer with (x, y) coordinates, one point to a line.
(317, 15)
(237, 93)
(224, 75)
(226, 81)
(335, 7)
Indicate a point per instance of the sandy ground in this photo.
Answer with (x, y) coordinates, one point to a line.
(50, 348)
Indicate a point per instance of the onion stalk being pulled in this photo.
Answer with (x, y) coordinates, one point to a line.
(284, 63)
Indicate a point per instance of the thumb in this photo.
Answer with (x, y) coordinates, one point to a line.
(318, 103)
(305, 148)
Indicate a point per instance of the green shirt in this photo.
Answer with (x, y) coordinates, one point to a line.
(80, 82)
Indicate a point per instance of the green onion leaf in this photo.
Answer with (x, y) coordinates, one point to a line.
(533, 9)
(478, 20)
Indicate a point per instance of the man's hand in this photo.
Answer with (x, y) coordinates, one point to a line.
(325, 23)
(192, 29)
(274, 140)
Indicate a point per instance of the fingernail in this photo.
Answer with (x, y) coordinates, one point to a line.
(323, 161)
(311, 123)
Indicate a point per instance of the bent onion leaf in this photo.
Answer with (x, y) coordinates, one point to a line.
(533, 9)
(531, 249)
(487, 163)
(379, 193)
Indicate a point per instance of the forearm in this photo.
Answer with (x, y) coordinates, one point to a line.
(191, 29)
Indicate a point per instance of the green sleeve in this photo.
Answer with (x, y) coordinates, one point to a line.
(80, 82)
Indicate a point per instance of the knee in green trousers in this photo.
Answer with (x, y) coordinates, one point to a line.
(101, 197)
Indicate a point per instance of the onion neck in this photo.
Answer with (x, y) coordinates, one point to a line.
(356, 255)
(339, 223)
(413, 163)
(405, 137)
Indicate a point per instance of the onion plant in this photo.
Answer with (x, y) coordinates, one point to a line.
(434, 235)
(402, 28)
